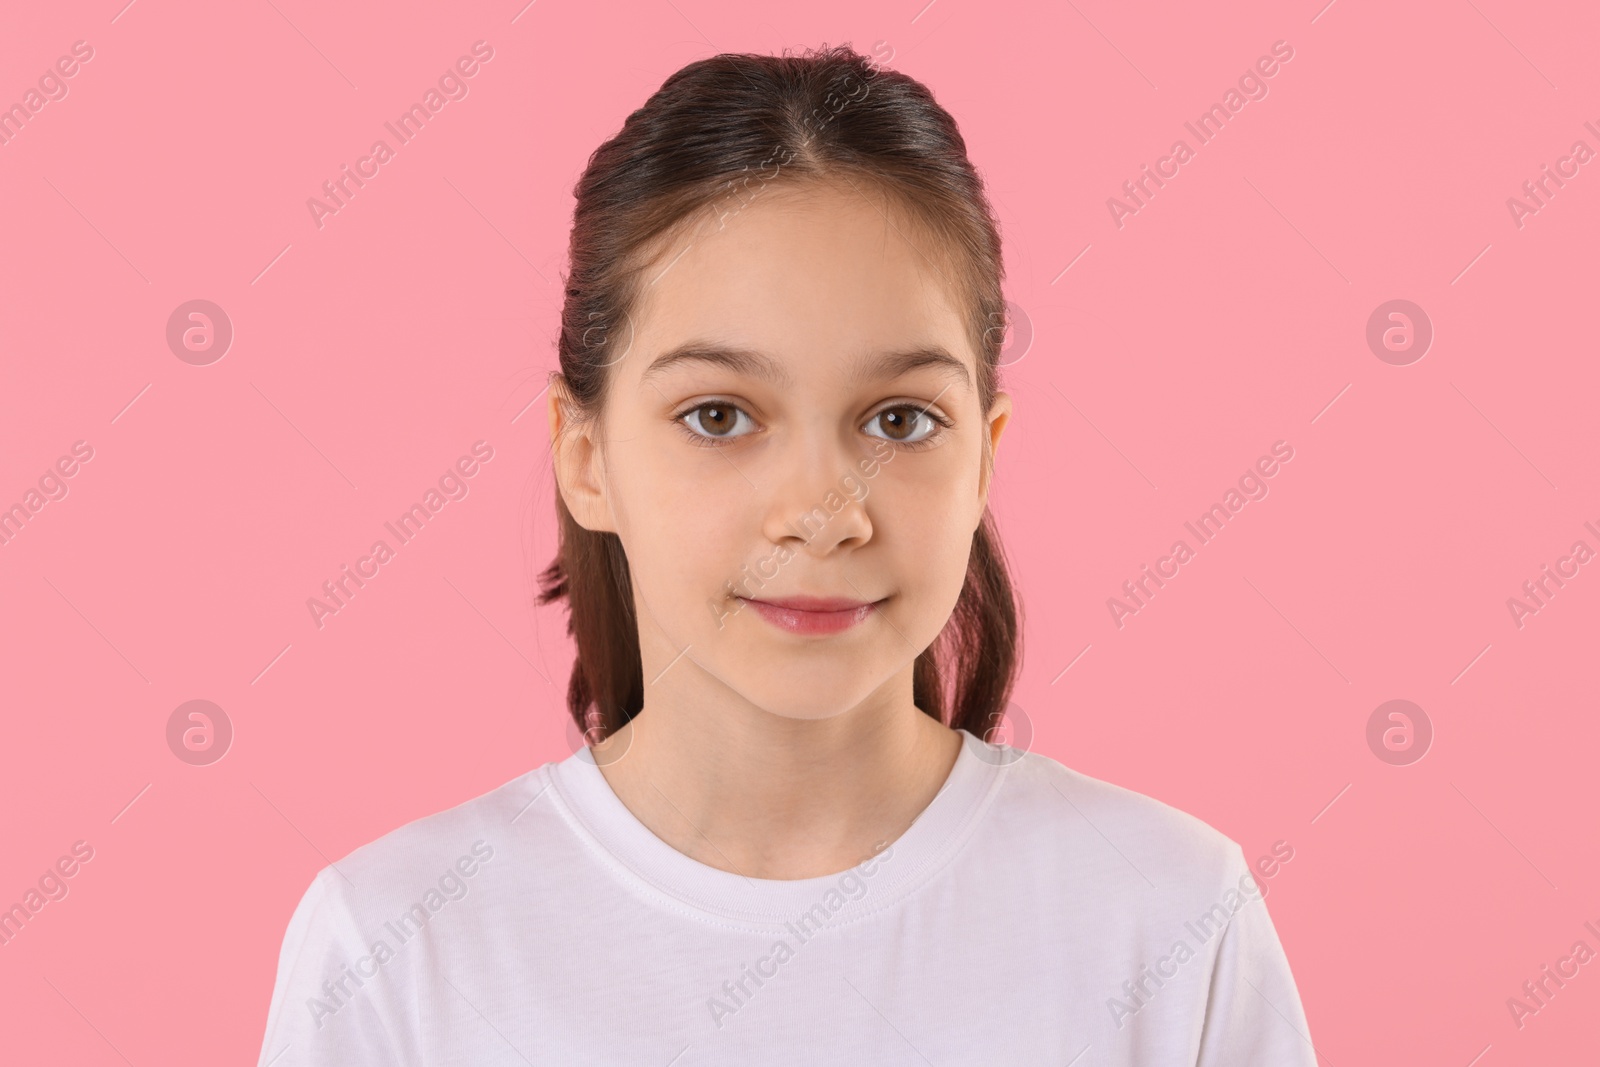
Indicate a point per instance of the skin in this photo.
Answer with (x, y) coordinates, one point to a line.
(761, 752)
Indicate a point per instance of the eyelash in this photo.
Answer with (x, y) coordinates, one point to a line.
(942, 423)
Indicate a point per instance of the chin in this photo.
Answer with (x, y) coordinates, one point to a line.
(810, 711)
(801, 698)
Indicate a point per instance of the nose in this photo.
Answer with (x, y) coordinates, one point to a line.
(817, 496)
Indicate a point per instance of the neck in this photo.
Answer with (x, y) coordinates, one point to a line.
(767, 796)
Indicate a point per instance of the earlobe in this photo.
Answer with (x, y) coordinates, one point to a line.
(999, 417)
(577, 462)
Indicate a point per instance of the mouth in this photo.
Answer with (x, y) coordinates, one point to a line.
(814, 615)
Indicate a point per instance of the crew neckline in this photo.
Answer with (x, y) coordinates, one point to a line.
(654, 869)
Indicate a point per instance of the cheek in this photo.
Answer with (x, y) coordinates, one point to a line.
(679, 520)
(926, 517)
(939, 494)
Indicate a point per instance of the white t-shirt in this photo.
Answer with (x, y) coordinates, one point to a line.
(1030, 915)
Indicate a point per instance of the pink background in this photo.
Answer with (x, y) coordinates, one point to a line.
(1229, 313)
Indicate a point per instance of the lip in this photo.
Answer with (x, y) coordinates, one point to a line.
(813, 615)
(812, 603)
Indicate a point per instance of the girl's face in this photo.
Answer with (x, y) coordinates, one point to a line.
(793, 413)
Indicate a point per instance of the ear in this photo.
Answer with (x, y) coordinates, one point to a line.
(578, 461)
(999, 416)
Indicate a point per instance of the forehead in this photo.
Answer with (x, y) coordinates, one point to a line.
(808, 273)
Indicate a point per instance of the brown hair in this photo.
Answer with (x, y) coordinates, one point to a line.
(831, 113)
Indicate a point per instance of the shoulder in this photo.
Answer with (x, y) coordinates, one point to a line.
(440, 856)
(1112, 831)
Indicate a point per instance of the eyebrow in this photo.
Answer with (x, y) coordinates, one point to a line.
(754, 364)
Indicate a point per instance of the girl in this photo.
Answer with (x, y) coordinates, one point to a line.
(790, 839)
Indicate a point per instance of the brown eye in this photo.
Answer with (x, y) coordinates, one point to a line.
(902, 423)
(713, 420)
